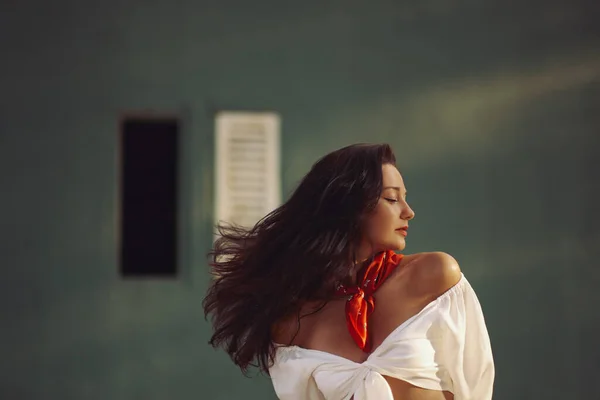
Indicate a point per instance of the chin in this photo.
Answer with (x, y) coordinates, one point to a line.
(400, 245)
(395, 246)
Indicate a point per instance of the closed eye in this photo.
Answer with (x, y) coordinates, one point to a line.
(391, 200)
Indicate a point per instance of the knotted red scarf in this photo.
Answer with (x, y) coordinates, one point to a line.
(361, 304)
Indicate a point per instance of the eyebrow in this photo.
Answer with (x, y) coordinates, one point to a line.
(395, 188)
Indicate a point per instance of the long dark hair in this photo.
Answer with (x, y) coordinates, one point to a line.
(295, 254)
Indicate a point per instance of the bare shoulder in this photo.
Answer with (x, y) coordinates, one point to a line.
(433, 273)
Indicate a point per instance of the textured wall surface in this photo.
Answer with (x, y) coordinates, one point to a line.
(491, 106)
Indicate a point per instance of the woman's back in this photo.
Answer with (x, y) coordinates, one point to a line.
(417, 281)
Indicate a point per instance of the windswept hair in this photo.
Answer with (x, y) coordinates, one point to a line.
(295, 254)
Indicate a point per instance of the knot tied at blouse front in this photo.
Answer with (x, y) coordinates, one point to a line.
(360, 303)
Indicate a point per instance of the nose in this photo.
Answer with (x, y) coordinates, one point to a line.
(407, 213)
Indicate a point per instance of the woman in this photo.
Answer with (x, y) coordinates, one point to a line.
(315, 295)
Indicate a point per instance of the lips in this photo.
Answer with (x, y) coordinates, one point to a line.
(403, 231)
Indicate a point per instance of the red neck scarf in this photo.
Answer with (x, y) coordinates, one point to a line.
(360, 302)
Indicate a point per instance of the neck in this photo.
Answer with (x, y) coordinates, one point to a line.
(353, 272)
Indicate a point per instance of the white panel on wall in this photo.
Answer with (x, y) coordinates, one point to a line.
(247, 165)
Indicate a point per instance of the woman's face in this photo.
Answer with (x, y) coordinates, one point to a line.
(387, 227)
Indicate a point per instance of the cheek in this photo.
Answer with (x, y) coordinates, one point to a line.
(381, 225)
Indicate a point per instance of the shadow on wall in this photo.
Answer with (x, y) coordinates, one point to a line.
(453, 119)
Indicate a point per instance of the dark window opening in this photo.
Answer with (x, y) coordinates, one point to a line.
(148, 198)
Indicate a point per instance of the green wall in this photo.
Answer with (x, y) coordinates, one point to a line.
(492, 107)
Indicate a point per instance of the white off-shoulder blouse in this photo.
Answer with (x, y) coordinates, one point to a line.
(443, 347)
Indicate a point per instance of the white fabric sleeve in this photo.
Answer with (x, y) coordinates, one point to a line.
(467, 350)
(292, 378)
